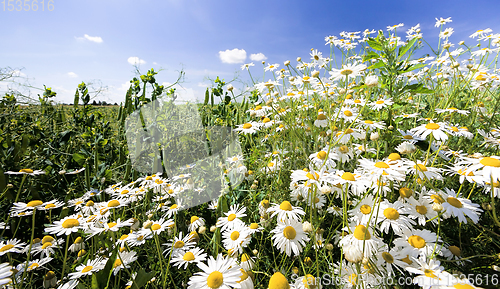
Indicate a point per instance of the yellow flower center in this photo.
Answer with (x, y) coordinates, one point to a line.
(437, 199)
(155, 227)
(235, 235)
(405, 192)
(245, 257)
(278, 281)
(348, 177)
(149, 178)
(343, 149)
(321, 155)
(408, 136)
(454, 202)
(321, 117)
(429, 273)
(70, 223)
(48, 206)
(247, 125)
(123, 237)
(347, 113)
(463, 286)
(265, 204)
(422, 210)
(346, 72)
(368, 121)
(286, 206)
(33, 266)
(379, 102)
(365, 209)
(86, 269)
(416, 241)
(420, 167)
(353, 278)
(490, 162)
(117, 263)
(35, 203)
(178, 244)
(455, 250)
(243, 276)
(289, 233)
(388, 257)
(266, 120)
(188, 256)
(174, 206)
(432, 126)
(215, 279)
(28, 171)
(194, 219)
(254, 226)
(46, 244)
(407, 260)
(361, 233)
(381, 165)
(394, 157)
(391, 214)
(113, 203)
(6, 248)
(231, 217)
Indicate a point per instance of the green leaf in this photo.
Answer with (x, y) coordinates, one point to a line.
(413, 67)
(402, 51)
(141, 279)
(374, 44)
(370, 55)
(79, 158)
(377, 65)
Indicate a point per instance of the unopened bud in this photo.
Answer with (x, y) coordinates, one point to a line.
(329, 246)
(287, 62)
(461, 42)
(307, 227)
(202, 230)
(253, 186)
(374, 136)
(315, 73)
(255, 252)
(10, 186)
(299, 59)
(230, 87)
(62, 172)
(437, 207)
(213, 229)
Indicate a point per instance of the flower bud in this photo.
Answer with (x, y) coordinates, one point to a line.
(255, 252)
(315, 74)
(213, 229)
(353, 254)
(202, 230)
(307, 227)
(437, 207)
(299, 59)
(329, 246)
(230, 87)
(287, 62)
(374, 136)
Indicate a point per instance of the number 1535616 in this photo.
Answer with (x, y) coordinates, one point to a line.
(28, 5)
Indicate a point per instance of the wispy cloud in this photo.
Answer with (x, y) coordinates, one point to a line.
(95, 39)
(257, 57)
(134, 60)
(233, 56)
(72, 74)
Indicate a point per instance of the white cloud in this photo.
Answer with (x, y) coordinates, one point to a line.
(134, 60)
(201, 84)
(257, 57)
(95, 39)
(233, 56)
(72, 74)
(155, 63)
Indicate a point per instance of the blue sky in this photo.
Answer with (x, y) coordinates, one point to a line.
(96, 41)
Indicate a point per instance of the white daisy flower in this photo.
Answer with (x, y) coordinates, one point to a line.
(232, 218)
(236, 239)
(123, 260)
(194, 255)
(5, 273)
(88, 269)
(67, 225)
(460, 207)
(362, 239)
(392, 217)
(286, 211)
(248, 128)
(222, 272)
(179, 244)
(414, 242)
(289, 237)
(195, 223)
(438, 130)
